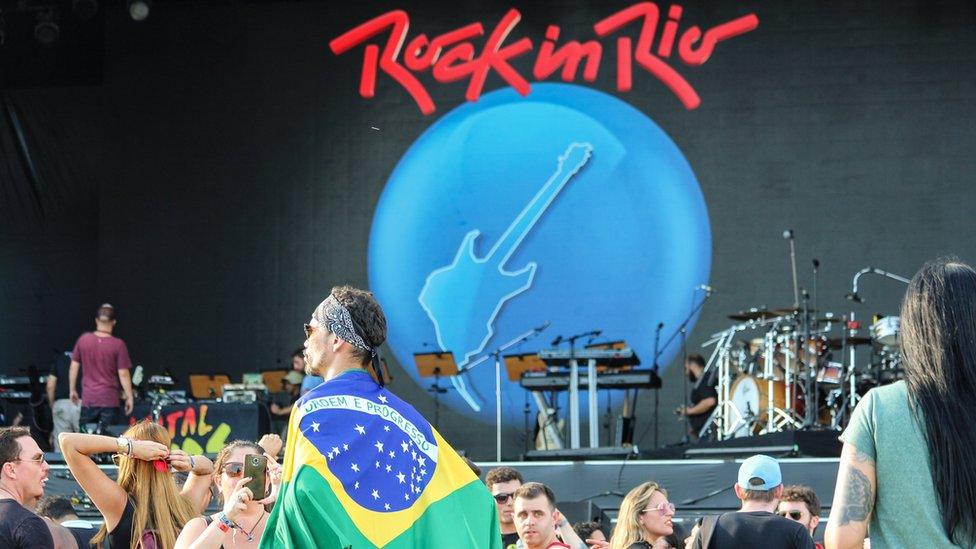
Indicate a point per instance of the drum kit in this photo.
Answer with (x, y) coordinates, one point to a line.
(790, 368)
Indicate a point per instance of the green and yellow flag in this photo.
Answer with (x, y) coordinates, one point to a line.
(363, 469)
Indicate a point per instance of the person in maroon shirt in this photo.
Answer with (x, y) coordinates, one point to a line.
(106, 364)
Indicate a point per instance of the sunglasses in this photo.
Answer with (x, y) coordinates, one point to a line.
(662, 509)
(234, 469)
(794, 514)
(502, 498)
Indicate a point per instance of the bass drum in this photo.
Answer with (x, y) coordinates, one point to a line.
(749, 395)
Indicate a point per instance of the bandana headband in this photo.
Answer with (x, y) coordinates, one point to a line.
(334, 316)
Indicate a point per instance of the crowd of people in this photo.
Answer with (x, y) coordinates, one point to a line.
(906, 448)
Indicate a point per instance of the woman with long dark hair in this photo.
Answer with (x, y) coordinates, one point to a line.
(907, 467)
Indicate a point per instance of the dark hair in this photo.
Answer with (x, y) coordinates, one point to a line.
(502, 474)
(804, 494)
(367, 316)
(9, 447)
(585, 529)
(472, 465)
(300, 352)
(55, 507)
(532, 490)
(938, 336)
(696, 359)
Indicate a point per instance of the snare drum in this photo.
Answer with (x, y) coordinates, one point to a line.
(885, 331)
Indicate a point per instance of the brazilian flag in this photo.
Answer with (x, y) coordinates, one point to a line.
(363, 469)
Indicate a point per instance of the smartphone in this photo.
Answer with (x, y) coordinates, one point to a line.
(256, 467)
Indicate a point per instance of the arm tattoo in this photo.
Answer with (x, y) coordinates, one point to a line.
(858, 498)
(861, 457)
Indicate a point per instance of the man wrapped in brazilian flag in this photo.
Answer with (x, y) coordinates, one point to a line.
(362, 468)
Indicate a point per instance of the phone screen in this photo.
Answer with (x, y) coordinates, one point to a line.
(256, 467)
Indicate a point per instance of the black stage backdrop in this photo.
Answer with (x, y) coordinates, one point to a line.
(223, 174)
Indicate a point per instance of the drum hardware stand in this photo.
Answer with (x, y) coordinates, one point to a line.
(852, 327)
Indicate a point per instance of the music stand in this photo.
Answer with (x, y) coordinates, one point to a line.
(436, 365)
(516, 365)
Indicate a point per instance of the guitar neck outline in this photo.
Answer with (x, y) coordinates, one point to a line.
(543, 198)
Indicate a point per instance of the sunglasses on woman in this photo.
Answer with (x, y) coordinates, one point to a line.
(234, 469)
(663, 509)
(793, 514)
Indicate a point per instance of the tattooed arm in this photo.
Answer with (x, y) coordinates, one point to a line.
(854, 498)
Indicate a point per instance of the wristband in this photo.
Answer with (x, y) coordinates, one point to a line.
(224, 523)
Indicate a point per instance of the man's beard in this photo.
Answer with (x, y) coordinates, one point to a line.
(691, 377)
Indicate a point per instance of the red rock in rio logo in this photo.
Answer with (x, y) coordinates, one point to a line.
(452, 55)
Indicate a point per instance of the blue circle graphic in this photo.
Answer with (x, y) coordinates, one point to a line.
(567, 206)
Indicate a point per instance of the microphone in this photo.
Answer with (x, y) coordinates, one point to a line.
(557, 341)
(816, 264)
(705, 287)
(596, 333)
(660, 325)
(543, 327)
(788, 234)
(855, 298)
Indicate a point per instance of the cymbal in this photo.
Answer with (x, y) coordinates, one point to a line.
(839, 342)
(753, 314)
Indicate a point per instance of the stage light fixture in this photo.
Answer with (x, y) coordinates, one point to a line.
(46, 29)
(139, 9)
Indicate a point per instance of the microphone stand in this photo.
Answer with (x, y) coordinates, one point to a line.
(684, 351)
(683, 325)
(497, 353)
(655, 383)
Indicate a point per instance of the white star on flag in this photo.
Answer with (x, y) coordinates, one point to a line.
(377, 465)
(379, 446)
(389, 469)
(406, 497)
(421, 461)
(401, 477)
(345, 447)
(315, 426)
(404, 446)
(386, 506)
(361, 429)
(392, 454)
(331, 457)
(413, 455)
(335, 450)
(355, 467)
(356, 486)
(386, 428)
(376, 495)
(382, 399)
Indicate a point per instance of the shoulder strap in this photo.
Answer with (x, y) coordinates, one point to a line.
(705, 531)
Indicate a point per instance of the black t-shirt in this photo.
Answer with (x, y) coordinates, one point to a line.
(61, 369)
(21, 529)
(699, 393)
(759, 529)
(509, 540)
